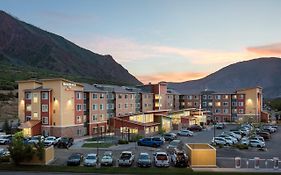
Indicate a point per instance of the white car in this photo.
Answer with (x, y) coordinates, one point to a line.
(257, 143)
(161, 159)
(231, 140)
(257, 138)
(244, 141)
(51, 140)
(126, 158)
(107, 159)
(185, 133)
(5, 139)
(90, 160)
(232, 134)
(35, 139)
(219, 141)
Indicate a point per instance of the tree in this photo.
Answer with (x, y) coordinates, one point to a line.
(19, 151)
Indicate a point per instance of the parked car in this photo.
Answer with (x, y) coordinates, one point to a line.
(161, 159)
(75, 159)
(36, 139)
(244, 141)
(265, 135)
(151, 141)
(232, 134)
(126, 158)
(220, 126)
(185, 132)
(257, 143)
(170, 136)
(257, 137)
(232, 140)
(174, 144)
(144, 160)
(5, 139)
(195, 128)
(219, 141)
(107, 158)
(179, 158)
(91, 160)
(51, 140)
(65, 142)
(269, 129)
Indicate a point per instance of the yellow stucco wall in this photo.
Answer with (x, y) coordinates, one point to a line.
(252, 104)
(23, 85)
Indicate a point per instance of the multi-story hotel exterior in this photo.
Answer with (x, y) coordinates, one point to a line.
(61, 107)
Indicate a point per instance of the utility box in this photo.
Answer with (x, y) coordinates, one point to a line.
(201, 155)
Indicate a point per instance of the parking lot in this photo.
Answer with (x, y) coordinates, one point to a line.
(225, 155)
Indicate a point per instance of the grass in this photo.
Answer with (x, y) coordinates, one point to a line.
(95, 145)
(111, 170)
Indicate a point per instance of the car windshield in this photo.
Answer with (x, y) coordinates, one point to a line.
(156, 139)
(50, 138)
(91, 157)
(161, 157)
(107, 157)
(64, 139)
(107, 154)
(75, 156)
(144, 156)
(174, 143)
(125, 156)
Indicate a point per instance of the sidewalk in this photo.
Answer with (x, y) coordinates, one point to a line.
(235, 170)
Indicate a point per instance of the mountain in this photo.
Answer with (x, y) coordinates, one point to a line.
(29, 52)
(264, 72)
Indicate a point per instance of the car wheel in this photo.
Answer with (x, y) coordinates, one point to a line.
(258, 146)
(154, 145)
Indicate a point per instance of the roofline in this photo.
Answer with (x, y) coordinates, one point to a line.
(243, 89)
(62, 79)
(28, 81)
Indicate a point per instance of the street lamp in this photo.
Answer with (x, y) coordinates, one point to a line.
(98, 140)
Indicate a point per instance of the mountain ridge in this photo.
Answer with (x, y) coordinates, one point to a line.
(22, 44)
(256, 72)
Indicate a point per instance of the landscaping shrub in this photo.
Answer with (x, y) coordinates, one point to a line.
(242, 146)
(136, 138)
(121, 142)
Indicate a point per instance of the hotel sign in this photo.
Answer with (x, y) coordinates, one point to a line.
(69, 84)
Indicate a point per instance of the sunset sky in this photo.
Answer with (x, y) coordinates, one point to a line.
(169, 40)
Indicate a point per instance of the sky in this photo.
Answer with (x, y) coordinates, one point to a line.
(162, 40)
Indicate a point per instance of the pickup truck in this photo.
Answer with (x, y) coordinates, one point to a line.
(65, 142)
(126, 158)
(151, 141)
(179, 158)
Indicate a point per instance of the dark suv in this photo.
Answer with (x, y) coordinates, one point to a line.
(151, 141)
(179, 158)
(65, 142)
(195, 128)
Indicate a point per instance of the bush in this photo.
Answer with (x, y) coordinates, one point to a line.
(136, 138)
(5, 159)
(121, 142)
(242, 146)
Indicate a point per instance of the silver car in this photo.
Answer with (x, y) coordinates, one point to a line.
(161, 159)
(107, 159)
(91, 160)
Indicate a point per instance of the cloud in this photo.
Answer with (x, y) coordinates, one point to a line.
(272, 49)
(171, 77)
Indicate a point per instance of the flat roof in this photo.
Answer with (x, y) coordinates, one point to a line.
(200, 146)
(28, 81)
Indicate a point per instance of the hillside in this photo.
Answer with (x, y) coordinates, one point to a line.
(264, 72)
(29, 52)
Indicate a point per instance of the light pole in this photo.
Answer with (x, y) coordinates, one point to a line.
(98, 140)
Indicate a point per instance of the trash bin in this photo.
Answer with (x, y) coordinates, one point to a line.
(237, 162)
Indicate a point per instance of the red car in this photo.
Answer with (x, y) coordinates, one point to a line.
(195, 128)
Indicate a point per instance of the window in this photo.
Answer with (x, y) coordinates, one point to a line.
(234, 110)
(101, 116)
(110, 96)
(119, 96)
(94, 118)
(234, 103)
(195, 97)
(132, 97)
(204, 104)
(131, 105)
(95, 130)
(126, 105)
(45, 95)
(78, 95)
(145, 105)
(210, 104)
(101, 96)
(79, 107)
(101, 106)
(35, 98)
(210, 97)
(126, 96)
(205, 97)
(45, 108)
(218, 97)
(225, 103)
(240, 103)
(225, 111)
(79, 132)
(189, 97)
(27, 118)
(35, 114)
(45, 120)
(195, 104)
(78, 119)
(234, 96)
(95, 107)
(95, 96)
(241, 96)
(241, 111)
(28, 107)
(85, 107)
(119, 106)
(217, 111)
(85, 96)
(218, 104)
(146, 130)
(28, 95)
(225, 96)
